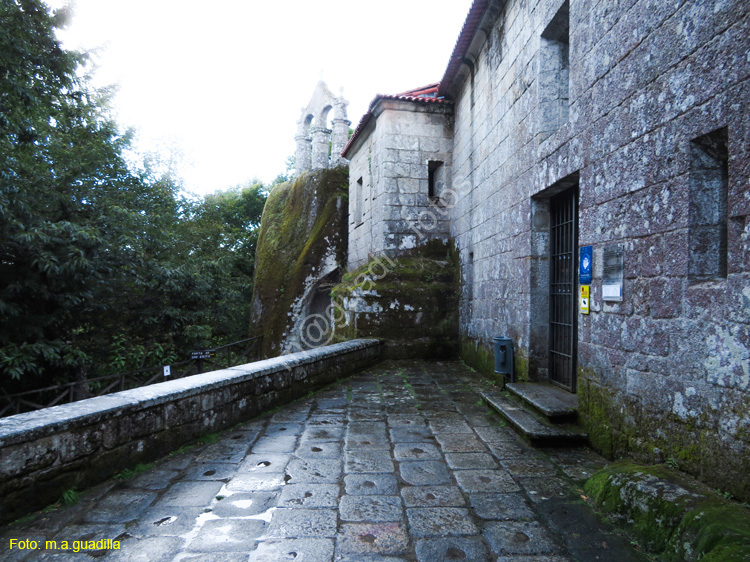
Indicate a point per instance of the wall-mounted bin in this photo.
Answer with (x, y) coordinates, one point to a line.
(504, 357)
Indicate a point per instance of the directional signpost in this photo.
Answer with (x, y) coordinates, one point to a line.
(200, 355)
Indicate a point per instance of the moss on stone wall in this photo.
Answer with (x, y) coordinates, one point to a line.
(602, 420)
(618, 426)
(481, 357)
(672, 515)
(302, 220)
(410, 302)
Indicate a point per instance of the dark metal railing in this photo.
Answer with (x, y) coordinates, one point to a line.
(235, 353)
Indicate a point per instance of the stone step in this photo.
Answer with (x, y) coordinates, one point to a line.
(533, 429)
(557, 405)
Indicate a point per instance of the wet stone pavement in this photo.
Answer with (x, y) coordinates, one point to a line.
(402, 462)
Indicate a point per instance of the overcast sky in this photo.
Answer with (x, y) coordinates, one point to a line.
(223, 83)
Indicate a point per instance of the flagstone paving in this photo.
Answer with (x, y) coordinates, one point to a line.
(402, 462)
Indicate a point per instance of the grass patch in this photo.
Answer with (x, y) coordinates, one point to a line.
(182, 450)
(70, 497)
(209, 438)
(128, 473)
(25, 519)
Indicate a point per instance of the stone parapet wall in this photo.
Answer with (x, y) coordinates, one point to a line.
(45, 453)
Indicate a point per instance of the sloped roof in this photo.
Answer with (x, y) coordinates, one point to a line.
(465, 38)
(433, 93)
(425, 94)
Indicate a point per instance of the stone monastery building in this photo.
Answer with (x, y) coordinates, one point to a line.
(599, 144)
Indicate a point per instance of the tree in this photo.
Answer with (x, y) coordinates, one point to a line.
(102, 267)
(223, 233)
(56, 156)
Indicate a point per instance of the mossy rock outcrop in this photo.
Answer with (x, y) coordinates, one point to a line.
(411, 302)
(301, 253)
(672, 515)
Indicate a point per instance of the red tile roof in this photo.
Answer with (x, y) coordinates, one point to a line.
(423, 91)
(433, 93)
(425, 94)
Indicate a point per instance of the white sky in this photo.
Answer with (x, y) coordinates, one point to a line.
(223, 83)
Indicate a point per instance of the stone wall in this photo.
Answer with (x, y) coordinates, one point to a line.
(640, 104)
(410, 302)
(389, 175)
(44, 453)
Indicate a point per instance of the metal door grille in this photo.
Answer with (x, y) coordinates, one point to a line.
(563, 294)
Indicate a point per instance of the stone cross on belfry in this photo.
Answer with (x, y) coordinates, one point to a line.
(313, 136)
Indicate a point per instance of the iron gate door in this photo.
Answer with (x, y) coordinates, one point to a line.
(563, 294)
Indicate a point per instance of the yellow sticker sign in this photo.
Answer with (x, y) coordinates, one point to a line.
(585, 291)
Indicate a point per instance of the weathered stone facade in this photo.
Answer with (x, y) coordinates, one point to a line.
(638, 110)
(389, 174)
(410, 302)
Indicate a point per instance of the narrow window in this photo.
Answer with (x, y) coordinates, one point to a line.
(358, 197)
(469, 284)
(709, 181)
(435, 179)
(554, 72)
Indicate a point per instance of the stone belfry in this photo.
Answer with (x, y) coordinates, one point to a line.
(313, 136)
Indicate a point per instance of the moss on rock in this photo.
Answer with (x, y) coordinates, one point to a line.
(303, 221)
(410, 302)
(671, 514)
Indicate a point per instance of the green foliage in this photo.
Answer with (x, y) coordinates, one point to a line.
(105, 268)
(222, 233)
(70, 497)
(128, 473)
(59, 159)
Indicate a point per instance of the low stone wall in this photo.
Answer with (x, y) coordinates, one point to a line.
(76, 445)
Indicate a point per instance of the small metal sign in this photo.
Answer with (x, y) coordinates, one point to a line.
(585, 295)
(613, 274)
(167, 370)
(202, 354)
(586, 263)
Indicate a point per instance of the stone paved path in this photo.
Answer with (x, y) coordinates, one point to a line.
(400, 463)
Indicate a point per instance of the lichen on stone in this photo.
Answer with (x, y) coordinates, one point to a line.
(671, 514)
(411, 302)
(303, 239)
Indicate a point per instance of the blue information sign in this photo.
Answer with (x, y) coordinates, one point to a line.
(587, 260)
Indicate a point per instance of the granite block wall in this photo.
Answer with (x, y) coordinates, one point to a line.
(390, 209)
(655, 135)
